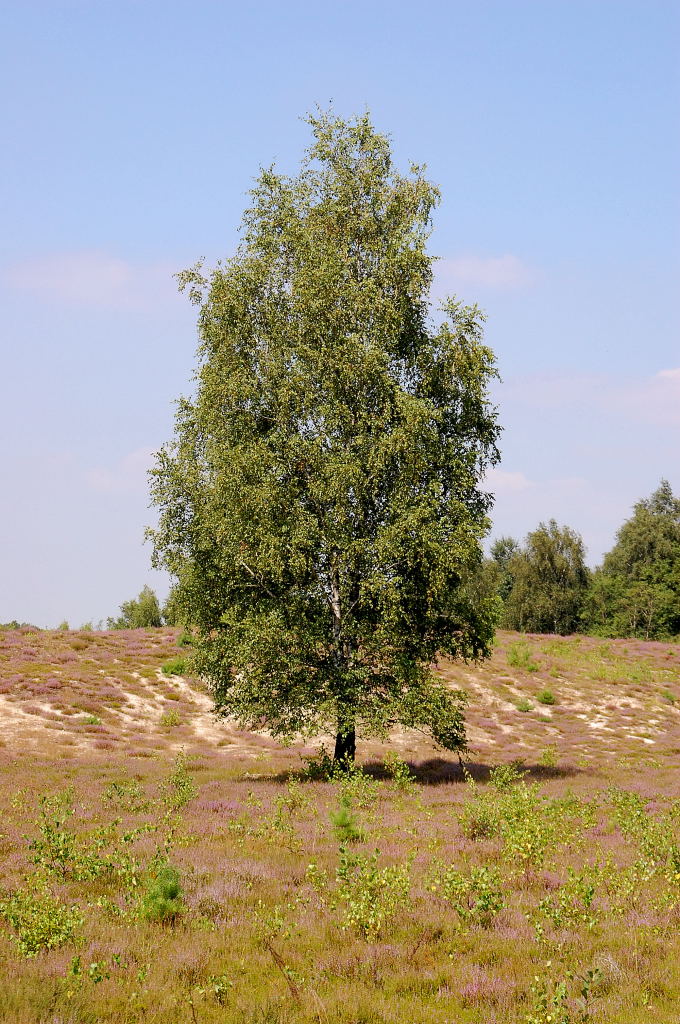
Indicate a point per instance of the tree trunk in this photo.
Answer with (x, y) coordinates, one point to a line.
(345, 746)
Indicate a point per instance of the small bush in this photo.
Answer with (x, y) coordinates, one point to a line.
(162, 901)
(372, 895)
(170, 719)
(548, 758)
(127, 794)
(477, 897)
(504, 776)
(179, 787)
(41, 921)
(546, 697)
(524, 705)
(174, 667)
(519, 656)
(319, 767)
(344, 823)
(399, 770)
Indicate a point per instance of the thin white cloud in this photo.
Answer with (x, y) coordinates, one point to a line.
(91, 279)
(654, 400)
(671, 375)
(504, 273)
(128, 474)
(501, 481)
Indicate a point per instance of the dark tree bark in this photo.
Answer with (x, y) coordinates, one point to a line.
(345, 746)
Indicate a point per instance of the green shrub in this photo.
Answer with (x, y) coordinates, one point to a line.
(344, 823)
(548, 758)
(505, 776)
(179, 787)
(477, 897)
(524, 705)
(546, 697)
(40, 920)
(572, 904)
(371, 895)
(170, 719)
(174, 667)
(399, 770)
(319, 767)
(162, 901)
(127, 794)
(519, 656)
(142, 612)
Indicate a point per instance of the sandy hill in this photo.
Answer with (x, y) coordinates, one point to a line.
(86, 693)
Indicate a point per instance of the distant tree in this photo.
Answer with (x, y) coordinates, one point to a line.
(636, 591)
(171, 611)
(503, 550)
(322, 505)
(548, 581)
(142, 612)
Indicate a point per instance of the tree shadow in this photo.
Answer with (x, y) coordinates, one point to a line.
(435, 771)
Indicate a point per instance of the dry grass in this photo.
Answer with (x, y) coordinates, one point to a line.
(589, 879)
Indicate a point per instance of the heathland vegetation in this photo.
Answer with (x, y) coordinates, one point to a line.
(159, 865)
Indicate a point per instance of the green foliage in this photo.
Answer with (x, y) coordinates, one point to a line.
(503, 551)
(126, 794)
(170, 719)
(400, 771)
(519, 656)
(515, 812)
(162, 900)
(504, 776)
(549, 582)
(548, 758)
(546, 697)
(171, 612)
(319, 767)
(142, 612)
(179, 787)
(321, 504)
(524, 705)
(549, 999)
(371, 895)
(572, 904)
(40, 920)
(56, 848)
(636, 591)
(476, 897)
(344, 823)
(174, 667)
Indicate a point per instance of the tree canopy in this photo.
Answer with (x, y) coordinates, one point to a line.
(141, 612)
(636, 591)
(544, 581)
(320, 504)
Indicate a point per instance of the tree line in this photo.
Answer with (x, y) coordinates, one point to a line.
(544, 585)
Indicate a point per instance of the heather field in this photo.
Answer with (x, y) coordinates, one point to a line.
(158, 865)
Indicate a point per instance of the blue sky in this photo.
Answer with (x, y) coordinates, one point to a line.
(132, 131)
